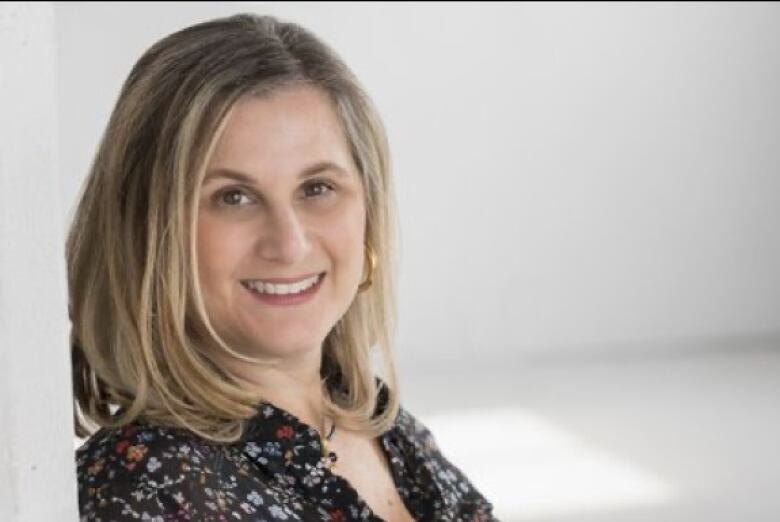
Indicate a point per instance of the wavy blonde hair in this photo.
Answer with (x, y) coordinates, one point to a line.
(140, 335)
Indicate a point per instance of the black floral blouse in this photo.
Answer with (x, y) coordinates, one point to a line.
(276, 472)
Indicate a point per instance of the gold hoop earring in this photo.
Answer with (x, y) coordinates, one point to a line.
(365, 285)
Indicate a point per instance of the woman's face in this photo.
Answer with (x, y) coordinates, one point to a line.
(281, 199)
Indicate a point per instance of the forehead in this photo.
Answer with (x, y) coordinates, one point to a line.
(282, 131)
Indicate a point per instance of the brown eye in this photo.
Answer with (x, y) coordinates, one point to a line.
(322, 188)
(232, 197)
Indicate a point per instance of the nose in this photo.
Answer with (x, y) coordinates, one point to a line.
(284, 239)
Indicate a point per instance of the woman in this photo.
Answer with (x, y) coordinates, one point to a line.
(229, 270)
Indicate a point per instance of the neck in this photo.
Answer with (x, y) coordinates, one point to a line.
(293, 386)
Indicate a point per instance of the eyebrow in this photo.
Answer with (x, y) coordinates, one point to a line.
(308, 172)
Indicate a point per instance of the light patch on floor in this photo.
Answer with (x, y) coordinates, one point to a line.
(531, 469)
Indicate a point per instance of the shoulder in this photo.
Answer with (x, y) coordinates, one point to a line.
(460, 499)
(415, 431)
(143, 472)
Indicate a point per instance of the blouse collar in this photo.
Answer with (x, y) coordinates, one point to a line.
(289, 449)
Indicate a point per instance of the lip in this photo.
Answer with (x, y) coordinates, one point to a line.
(287, 299)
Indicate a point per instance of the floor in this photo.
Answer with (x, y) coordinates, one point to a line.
(675, 437)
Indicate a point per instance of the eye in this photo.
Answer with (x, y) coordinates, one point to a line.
(232, 197)
(323, 188)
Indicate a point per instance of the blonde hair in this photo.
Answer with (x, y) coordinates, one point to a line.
(140, 332)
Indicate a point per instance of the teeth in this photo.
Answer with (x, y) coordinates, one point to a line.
(281, 289)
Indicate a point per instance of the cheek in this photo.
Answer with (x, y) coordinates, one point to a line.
(218, 249)
(349, 236)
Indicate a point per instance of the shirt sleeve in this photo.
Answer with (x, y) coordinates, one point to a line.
(127, 479)
(461, 499)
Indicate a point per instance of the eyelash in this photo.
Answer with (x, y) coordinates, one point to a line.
(243, 192)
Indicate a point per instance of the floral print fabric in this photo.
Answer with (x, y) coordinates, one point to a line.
(276, 472)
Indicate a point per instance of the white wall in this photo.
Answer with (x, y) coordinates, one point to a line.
(37, 475)
(571, 177)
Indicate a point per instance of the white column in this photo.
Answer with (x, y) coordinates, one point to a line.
(37, 477)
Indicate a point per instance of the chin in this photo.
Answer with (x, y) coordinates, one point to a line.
(281, 346)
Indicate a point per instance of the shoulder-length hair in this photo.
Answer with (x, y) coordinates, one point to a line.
(140, 332)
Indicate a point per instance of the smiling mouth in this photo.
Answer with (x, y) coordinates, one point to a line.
(261, 286)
